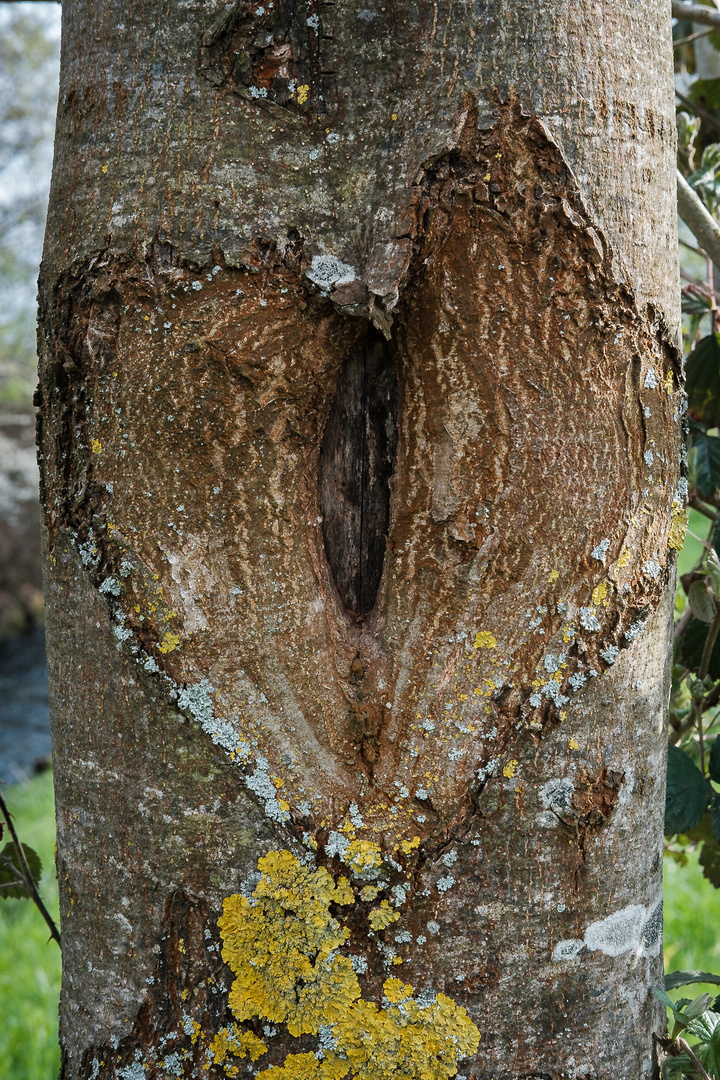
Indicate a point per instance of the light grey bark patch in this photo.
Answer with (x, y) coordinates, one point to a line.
(567, 950)
(634, 928)
(557, 795)
(327, 272)
(619, 933)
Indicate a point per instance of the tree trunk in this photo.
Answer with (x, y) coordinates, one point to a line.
(359, 441)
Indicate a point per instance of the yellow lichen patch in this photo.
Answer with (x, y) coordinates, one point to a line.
(396, 990)
(381, 917)
(369, 892)
(573, 744)
(362, 855)
(678, 527)
(553, 575)
(282, 943)
(282, 947)
(568, 633)
(233, 1040)
(169, 642)
(307, 1067)
(623, 558)
(405, 1041)
(510, 769)
(669, 384)
(96, 446)
(484, 640)
(409, 845)
(599, 594)
(302, 93)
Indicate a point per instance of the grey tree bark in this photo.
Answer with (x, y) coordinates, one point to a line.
(360, 434)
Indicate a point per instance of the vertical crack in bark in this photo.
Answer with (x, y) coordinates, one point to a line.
(356, 462)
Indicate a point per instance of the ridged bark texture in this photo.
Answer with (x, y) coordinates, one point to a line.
(360, 446)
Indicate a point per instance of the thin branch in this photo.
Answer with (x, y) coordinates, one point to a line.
(29, 882)
(693, 37)
(699, 505)
(698, 219)
(687, 1049)
(696, 13)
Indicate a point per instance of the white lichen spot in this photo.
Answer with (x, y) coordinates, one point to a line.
(197, 285)
(600, 552)
(649, 457)
(359, 964)
(450, 857)
(610, 654)
(651, 568)
(445, 883)
(635, 631)
(433, 927)
(337, 844)
(111, 587)
(577, 680)
(150, 665)
(556, 795)
(327, 270)
(399, 895)
(589, 620)
(651, 379)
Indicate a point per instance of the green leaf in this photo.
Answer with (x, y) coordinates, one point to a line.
(709, 1054)
(710, 861)
(715, 812)
(685, 978)
(687, 793)
(663, 997)
(678, 1068)
(702, 602)
(709, 852)
(702, 372)
(706, 461)
(10, 870)
(706, 92)
(714, 761)
(691, 648)
(695, 305)
(697, 1006)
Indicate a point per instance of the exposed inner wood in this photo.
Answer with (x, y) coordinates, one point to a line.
(356, 462)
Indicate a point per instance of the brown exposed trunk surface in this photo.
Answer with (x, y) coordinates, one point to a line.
(359, 440)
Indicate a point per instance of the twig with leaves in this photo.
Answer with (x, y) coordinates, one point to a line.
(20, 870)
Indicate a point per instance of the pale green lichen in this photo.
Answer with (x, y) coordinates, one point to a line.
(281, 944)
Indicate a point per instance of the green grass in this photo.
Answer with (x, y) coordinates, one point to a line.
(692, 920)
(29, 963)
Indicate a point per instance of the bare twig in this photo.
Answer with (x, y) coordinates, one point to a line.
(687, 1049)
(27, 873)
(698, 219)
(693, 37)
(696, 13)
(699, 505)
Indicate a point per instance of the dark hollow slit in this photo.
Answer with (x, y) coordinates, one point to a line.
(356, 462)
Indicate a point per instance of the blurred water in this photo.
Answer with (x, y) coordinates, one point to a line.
(24, 713)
